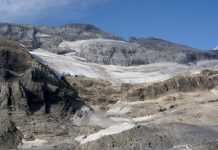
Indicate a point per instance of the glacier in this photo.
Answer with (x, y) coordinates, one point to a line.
(76, 66)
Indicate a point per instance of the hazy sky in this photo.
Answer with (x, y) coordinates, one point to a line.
(190, 22)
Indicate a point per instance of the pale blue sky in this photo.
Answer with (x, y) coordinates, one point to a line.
(190, 22)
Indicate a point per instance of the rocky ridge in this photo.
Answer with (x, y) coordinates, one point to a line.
(96, 91)
(114, 52)
(165, 51)
(49, 38)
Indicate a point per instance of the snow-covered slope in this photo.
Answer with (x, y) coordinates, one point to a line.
(108, 52)
(216, 48)
(115, 52)
(80, 45)
(73, 65)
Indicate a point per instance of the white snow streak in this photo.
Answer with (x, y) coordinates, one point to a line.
(114, 129)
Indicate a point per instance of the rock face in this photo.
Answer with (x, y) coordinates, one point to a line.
(109, 52)
(139, 52)
(10, 136)
(99, 91)
(182, 83)
(49, 38)
(164, 51)
(28, 87)
(95, 91)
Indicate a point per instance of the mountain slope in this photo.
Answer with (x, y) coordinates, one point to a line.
(28, 87)
(45, 94)
(167, 51)
(100, 47)
(50, 37)
(95, 91)
(113, 52)
(108, 52)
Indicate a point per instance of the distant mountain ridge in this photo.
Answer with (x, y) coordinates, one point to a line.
(46, 37)
(108, 50)
(172, 52)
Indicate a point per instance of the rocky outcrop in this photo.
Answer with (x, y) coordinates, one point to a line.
(28, 87)
(95, 91)
(49, 38)
(103, 92)
(205, 80)
(108, 52)
(164, 51)
(10, 136)
(139, 52)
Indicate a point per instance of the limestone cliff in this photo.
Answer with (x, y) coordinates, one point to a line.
(28, 87)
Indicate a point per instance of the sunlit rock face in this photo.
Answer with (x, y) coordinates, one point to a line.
(165, 51)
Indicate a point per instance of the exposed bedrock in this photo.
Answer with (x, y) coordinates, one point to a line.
(165, 51)
(205, 80)
(114, 52)
(50, 37)
(10, 136)
(29, 87)
(99, 91)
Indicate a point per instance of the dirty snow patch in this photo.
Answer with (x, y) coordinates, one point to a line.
(146, 118)
(41, 35)
(214, 91)
(114, 129)
(121, 119)
(80, 45)
(29, 144)
(119, 109)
